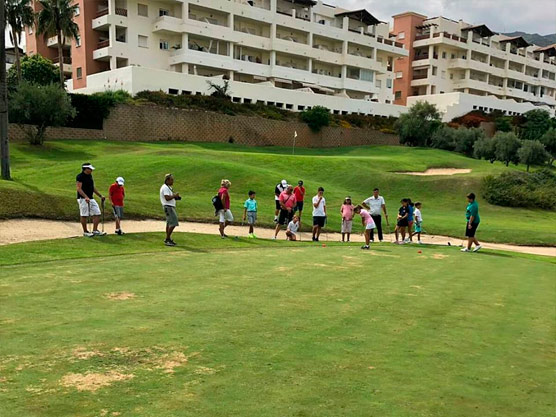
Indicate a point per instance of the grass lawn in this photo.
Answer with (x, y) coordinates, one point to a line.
(262, 328)
(45, 182)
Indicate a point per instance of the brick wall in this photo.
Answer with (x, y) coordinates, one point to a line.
(154, 123)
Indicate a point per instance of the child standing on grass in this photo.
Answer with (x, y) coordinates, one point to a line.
(418, 222)
(293, 228)
(410, 220)
(368, 223)
(116, 193)
(250, 213)
(403, 214)
(347, 218)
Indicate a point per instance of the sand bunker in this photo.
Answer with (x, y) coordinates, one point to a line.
(437, 171)
(91, 381)
(120, 295)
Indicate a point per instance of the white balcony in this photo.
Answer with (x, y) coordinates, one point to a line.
(168, 24)
(53, 42)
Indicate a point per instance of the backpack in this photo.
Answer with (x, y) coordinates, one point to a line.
(217, 203)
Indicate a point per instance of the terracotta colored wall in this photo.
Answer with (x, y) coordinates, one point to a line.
(36, 44)
(407, 23)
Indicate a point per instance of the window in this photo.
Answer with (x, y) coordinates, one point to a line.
(443, 74)
(444, 55)
(78, 41)
(163, 12)
(401, 35)
(399, 74)
(366, 75)
(389, 83)
(142, 10)
(434, 70)
(378, 83)
(397, 95)
(451, 76)
(79, 73)
(77, 10)
(453, 56)
(164, 45)
(143, 41)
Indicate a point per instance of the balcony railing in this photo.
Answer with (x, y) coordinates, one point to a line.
(421, 37)
(121, 12)
(65, 60)
(420, 76)
(420, 57)
(102, 12)
(103, 44)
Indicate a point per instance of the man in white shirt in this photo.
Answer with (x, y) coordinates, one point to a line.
(168, 200)
(376, 206)
(279, 189)
(319, 214)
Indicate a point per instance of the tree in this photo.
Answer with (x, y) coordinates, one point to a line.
(465, 139)
(444, 138)
(19, 14)
(417, 126)
(35, 69)
(507, 145)
(317, 118)
(4, 146)
(537, 123)
(220, 91)
(485, 148)
(36, 107)
(56, 19)
(503, 124)
(532, 152)
(549, 142)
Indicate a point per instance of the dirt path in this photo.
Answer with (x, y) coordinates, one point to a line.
(27, 230)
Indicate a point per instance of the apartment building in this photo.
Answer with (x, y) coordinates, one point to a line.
(462, 67)
(293, 54)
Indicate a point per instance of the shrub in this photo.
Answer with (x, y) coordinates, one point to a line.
(472, 119)
(35, 69)
(506, 147)
(485, 148)
(465, 139)
(417, 126)
(388, 131)
(532, 152)
(537, 123)
(549, 142)
(40, 107)
(91, 110)
(522, 189)
(317, 118)
(503, 124)
(444, 138)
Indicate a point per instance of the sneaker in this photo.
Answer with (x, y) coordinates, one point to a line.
(419, 242)
(477, 248)
(407, 240)
(87, 234)
(169, 243)
(274, 238)
(465, 250)
(365, 247)
(119, 232)
(98, 233)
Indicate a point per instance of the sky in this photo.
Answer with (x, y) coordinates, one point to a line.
(532, 16)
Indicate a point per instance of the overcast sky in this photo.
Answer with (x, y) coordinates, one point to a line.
(533, 16)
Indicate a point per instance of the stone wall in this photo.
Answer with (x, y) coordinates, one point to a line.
(151, 123)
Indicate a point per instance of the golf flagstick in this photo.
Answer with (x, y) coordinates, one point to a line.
(294, 136)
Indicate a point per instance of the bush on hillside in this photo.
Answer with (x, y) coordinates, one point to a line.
(370, 121)
(472, 119)
(485, 148)
(549, 142)
(39, 107)
(532, 152)
(444, 138)
(459, 140)
(537, 123)
(91, 110)
(522, 189)
(317, 118)
(503, 124)
(417, 126)
(506, 146)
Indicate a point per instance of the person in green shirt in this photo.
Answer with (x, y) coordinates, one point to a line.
(250, 213)
(473, 220)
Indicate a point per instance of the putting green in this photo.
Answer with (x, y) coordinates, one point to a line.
(261, 328)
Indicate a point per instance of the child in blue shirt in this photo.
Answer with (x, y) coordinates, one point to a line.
(250, 213)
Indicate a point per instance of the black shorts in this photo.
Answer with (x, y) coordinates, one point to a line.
(471, 232)
(299, 206)
(319, 221)
(278, 206)
(403, 223)
(285, 217)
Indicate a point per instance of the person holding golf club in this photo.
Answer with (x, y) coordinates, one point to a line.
(116, 194)
(473, 220)
(319, 213)
(168, 200)
(278, 190)
(376, 205)
(368, 224)
(287, 203)
(88, 207)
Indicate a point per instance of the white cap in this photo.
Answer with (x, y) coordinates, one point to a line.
(284, 183)
(88, 166)
(120, 180)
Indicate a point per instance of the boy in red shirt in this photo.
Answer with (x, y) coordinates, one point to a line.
(116, 194)
(299, 192)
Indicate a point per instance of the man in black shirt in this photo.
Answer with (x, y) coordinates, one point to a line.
(87, 204)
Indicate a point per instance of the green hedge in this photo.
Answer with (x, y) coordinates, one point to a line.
(93, 109)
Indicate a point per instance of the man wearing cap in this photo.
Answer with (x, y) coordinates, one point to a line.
(279, 189)
(168, 200)
(116, 194)
(87, 205)
(299, 192)
(287, 203)
(376, 206)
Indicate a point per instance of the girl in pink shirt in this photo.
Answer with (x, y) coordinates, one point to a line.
(369, 224)
(347, 218)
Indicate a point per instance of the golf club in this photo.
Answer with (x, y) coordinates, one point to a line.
(89, 215)
(325, 228)
(102, 203)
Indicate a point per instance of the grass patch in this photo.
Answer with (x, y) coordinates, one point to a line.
(44, 182)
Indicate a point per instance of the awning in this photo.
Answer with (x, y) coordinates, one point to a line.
(481, 30)
(361, 16)
(518, 41)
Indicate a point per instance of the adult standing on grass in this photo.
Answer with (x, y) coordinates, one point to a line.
(319, 213)
(225, 214)
(279, 189)
(376, 206)
(85, 199)
(168, 200)
(287, 203)
(299, 192)
(116, 193)
(473, 220)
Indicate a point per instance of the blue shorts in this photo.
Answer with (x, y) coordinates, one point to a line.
(418, 227)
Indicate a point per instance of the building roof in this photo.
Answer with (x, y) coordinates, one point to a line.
(410, 14)
(518, 41)
(362, 16)
(482, 30)
(550, 49)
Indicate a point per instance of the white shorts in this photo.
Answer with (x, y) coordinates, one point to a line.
(225, 216)
(84, 208)
(370, 226)
(347, 225)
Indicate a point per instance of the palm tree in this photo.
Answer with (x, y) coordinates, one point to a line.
(56, 19)
(4, 146)
(19, 14)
